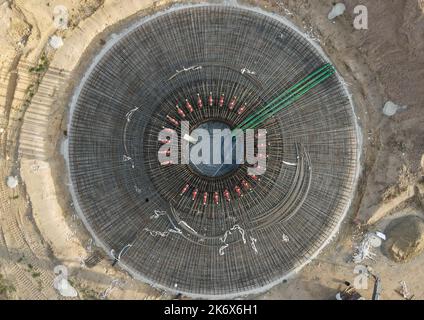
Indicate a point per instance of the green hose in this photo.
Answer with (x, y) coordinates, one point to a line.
(295, 98)
(287, 97)
(287, 92)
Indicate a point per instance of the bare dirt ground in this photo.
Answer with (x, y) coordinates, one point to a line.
(38, 227)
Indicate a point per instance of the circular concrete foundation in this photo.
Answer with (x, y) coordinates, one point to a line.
(200, 234)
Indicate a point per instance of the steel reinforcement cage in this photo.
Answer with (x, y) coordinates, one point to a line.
(128, 200)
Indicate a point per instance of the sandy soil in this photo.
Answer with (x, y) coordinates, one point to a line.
(38, 227)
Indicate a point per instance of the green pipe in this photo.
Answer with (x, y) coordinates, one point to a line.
(326, 66)
(285, 93)
(295, 98)
(300, 91)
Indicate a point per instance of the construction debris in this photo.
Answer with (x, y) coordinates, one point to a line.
(61, 17)
(390, 108)
(114, 283)
(245, 70)
(337, 10)
(65, 289)
(12, 182)
(404, 292)
(364, 250)
(349, 293)
(222, 248)
(380, 235)
(422, 162)
(55, 42)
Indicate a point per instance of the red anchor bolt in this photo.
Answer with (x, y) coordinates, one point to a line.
(221, 100)
(227, 195)
(194, 194)
(185, 189)
(216, 197)
(180, 111)
(210, 100)
(205, 198)
(199, 102)
(232, 103)
(173, 121)
(189, 106)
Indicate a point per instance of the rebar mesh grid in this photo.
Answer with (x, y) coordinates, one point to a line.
(128, 198)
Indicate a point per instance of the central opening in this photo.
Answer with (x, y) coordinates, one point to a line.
(217, 146)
